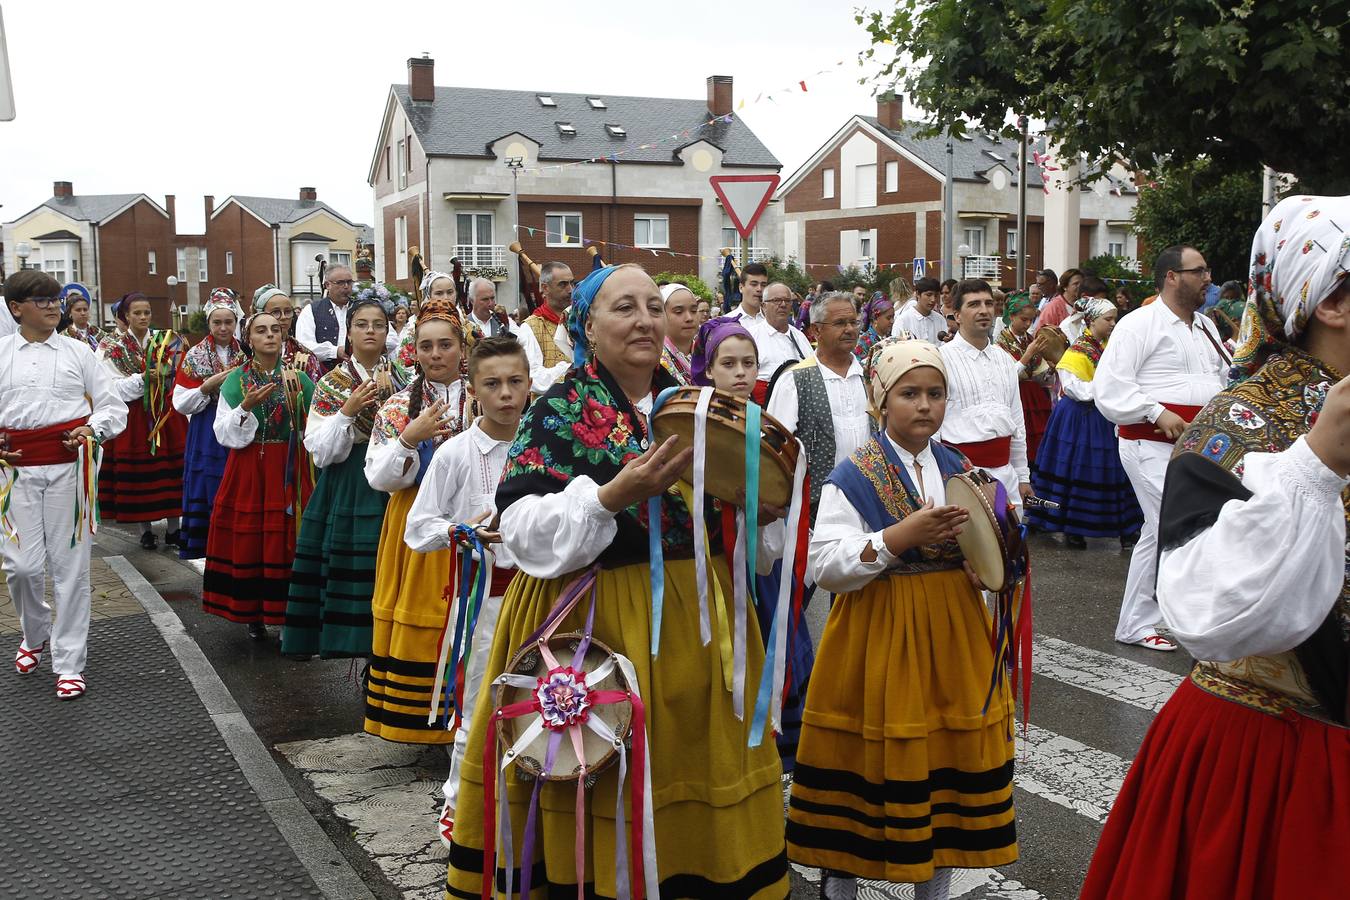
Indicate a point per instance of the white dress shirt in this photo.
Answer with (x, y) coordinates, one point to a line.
(1153, 358)
(460, 484)
(126, 387)
(190, 400)
(58, 380)
(541, 378)
(848, 406)
(983, 399)
(235, 427)
(1074, 387)
(304, 332)
(1263, 577)
(740, 312)
(8, 324)
(387, 461)
(925, 328)
(330, 438)
(776, 347)
(841, 534)
(485, 325)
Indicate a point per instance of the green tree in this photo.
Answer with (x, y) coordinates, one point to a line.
(696, 285)
(789, 273)
(1201, 204)
(1240, 81)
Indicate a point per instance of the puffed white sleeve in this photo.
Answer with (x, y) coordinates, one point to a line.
(189, 400)
(541, 378)
(1074, 387)
(1116, 392)
(329, 439)
(551, 534)
(126, 387)
(235, 427)
(783, 402)
(390, 466)
(1018, 451)
(837, 543)
(107, 411)
(1263, 578)
(429, 519)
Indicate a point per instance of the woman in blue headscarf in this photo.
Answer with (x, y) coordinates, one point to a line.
(75, 301)
(574, 495)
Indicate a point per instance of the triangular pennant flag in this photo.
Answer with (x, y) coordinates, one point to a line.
(742, 106)
(803, 84)
(531, 231)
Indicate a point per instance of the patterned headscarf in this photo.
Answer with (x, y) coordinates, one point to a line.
(1299, 256)
(222, 298)
(890, 360)
(1093, 307)
(430, 278)
(583, 295)
(1015, 304)
(873, 308)
(711, 334)
(265, 293)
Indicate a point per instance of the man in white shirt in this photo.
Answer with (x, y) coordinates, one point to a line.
(778, 341)
(56, 400)
(536, 333)
(984, 403)
(823, 399)
(754, 279)
(482, 301)
(1162, 365)
(920, 318)
(321, 327)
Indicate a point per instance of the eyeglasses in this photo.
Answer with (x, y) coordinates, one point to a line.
(1198, 270)
(347, 281)
(45, 302)
(781, 301)
(842, 323)
(370, 326)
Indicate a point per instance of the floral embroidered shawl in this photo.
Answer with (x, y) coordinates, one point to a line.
(334, 388)
(202, 361)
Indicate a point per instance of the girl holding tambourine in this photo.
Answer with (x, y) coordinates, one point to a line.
(904, 770)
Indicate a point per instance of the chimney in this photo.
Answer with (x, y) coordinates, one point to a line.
(168, 207)
(421, 78)
(210, 203)
(890, 110)
(719, 94)
(308, 193)
(62, 189)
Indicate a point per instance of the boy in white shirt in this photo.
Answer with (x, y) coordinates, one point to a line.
(459, 488)
(920, 319)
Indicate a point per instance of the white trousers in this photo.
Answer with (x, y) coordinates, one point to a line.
(42, 506)
(473, 684)
(1145, 463)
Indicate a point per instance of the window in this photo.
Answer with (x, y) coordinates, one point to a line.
(567, 129)
(229, 262)
(1115, 247)
(731, 238)
(401, 245)
(616, 131)
(865, 185)
(545, 100)
(201, 265)
(56, 268)
(476, 245)
(387, 176)
(340, 258)
(402, 167)
(1012, 243)
(182, 265)
(150, 258)
(975, 238)
(829, 184)
(562, 229)
(651, 231)
(865, 247)
(596, 103)
(892, 176)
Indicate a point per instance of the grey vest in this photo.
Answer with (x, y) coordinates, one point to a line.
(815, 428)
(325, 321)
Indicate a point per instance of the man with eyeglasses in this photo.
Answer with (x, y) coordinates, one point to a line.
(56, 401)
(778, 341)
(322, 325)
(1164, 362)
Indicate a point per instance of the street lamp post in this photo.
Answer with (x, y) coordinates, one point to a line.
(311, 270)
(23, 251)
(172, 282)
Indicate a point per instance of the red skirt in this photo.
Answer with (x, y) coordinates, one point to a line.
(135, 485)
(250, 546)
(1035, 413)
(1225, 801)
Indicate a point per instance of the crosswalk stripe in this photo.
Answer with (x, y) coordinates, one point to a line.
(1068, 773)
(1103, 674)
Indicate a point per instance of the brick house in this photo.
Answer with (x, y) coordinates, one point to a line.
(873, 195)
(113, 243)
(440, 181)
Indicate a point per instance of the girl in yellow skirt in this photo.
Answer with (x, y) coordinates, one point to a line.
(574, 495)
(408, 607)
(902, 773)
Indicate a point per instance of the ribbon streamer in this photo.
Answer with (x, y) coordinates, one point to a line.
(6, 498)
(463, 600)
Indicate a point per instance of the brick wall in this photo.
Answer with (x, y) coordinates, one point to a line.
(896, 233)
(602, 220)
(915, 185)
(235, 230)
(124, 245)
(412, 210)
(806, 195)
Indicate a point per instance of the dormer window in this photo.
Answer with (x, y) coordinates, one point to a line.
(545, 100)
(617, 131)
(567, 129)
(596, 103)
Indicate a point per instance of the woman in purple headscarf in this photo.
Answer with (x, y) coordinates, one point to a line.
(878, 314)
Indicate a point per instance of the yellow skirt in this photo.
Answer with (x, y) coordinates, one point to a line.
(899, 772)
(408, 609)
(718, 804)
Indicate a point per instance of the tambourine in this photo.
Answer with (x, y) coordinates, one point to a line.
(725, 475)
(992, 539)
(560, 697)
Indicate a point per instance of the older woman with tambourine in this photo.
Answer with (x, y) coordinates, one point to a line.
(902, 693)
(587, 491)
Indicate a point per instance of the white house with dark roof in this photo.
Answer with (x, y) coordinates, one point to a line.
(593, 167)
(872, 195)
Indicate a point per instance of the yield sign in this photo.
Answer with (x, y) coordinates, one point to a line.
(744, 198)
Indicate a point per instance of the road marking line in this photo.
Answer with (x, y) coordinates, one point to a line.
(1104, 674)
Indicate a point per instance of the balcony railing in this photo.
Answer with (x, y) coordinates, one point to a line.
(757, 254)
(479, 255)
(990, 268)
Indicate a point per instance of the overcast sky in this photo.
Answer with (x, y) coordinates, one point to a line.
(260, 98)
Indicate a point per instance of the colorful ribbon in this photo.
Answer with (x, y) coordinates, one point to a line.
(6, 498)
(654, 552)
(462, 606)
(88, 456)
(1010, 638)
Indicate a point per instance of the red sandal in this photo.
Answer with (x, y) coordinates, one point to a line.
(26, 660)
(70, 688)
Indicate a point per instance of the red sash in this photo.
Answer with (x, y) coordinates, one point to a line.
(1147, 431)
(760, 392)
(42, 446)
(501, 580)
(988, 454)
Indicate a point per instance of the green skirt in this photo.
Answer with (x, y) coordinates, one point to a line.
(333, 579)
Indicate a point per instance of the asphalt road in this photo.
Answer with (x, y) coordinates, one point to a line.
(1092, 701)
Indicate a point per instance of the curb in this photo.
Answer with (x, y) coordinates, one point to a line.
(325, 864)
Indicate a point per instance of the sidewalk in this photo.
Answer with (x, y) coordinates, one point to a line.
(153, 785)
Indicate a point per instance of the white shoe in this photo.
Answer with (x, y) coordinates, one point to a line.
(1156, 642)
(70, 687)
(446, 826)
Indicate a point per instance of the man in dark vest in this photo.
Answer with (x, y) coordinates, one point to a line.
(322, 326)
